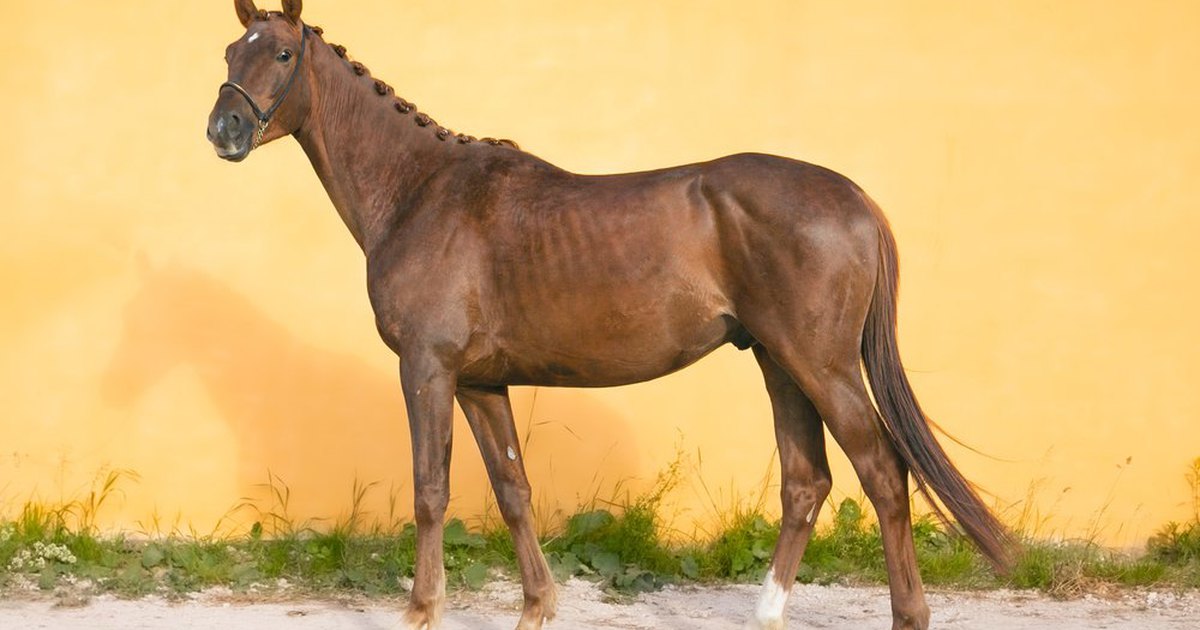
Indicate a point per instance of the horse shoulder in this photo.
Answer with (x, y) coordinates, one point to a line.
(421, 285)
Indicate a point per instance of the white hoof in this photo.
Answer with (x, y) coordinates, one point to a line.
(764, 624)
(768, 615)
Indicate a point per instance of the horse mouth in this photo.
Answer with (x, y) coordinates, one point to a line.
(234, 155)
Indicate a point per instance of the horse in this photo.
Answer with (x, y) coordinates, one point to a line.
(488, 267)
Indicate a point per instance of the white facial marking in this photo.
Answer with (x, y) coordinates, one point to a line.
(512, 454)
(253, 36)
(811, 511)
(771, 603)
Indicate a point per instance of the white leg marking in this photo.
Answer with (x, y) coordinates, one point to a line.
(512, 454)
(812, 510)
(771, 602)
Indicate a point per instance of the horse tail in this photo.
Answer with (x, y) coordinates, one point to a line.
(910, 428)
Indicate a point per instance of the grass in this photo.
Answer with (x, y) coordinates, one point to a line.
(620, 544)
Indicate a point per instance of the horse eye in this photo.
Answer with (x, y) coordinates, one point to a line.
(284, 56)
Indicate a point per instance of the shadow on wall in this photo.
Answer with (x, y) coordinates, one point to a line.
(319, 419)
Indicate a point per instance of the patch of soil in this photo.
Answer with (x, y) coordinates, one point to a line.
(583, 606)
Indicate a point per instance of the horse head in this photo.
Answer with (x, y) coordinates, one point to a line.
(266, 94)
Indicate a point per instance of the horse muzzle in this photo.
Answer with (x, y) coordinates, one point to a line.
(231, 135)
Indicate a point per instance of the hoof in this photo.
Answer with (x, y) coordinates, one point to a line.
(528, 622)
(915, 621)
(764, 624)
(422, 617)
(538, 610)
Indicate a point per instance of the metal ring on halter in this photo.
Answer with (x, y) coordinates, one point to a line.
(264, 117)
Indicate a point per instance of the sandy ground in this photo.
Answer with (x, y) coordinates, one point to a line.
(586, 608)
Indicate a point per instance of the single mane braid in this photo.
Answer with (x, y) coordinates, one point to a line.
(401, 105)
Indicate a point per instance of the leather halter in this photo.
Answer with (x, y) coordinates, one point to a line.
(264, 117)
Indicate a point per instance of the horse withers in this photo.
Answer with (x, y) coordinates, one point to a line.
(488, 267)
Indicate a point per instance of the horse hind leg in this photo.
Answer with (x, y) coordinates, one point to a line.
(805, 485)
(837, 391)
(489, 412)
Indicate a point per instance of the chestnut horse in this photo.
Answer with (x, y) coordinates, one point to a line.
(488, 267)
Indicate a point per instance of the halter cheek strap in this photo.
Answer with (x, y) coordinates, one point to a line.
(264, 117)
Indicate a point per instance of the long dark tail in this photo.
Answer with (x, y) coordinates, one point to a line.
(908, 424)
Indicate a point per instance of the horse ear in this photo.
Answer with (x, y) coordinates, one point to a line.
(245, 11)
(291, 10)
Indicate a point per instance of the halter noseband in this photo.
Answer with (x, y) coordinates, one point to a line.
(264, 117)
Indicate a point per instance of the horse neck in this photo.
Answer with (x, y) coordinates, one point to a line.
(368, 155)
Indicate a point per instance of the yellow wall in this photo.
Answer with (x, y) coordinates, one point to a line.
(202, 323)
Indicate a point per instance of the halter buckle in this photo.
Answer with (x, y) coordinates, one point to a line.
(262, 128)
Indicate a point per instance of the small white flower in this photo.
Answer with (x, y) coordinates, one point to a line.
(53, 551)
(20, 560)
(22, 583)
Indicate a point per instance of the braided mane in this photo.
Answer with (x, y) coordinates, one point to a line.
(401, 105)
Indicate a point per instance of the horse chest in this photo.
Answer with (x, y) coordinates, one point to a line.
(415, 311)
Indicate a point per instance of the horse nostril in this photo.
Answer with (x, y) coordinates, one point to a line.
(231, 126)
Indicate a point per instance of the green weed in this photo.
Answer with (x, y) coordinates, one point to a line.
(1177, 545)
(850, 550)
(623, 549)
(619, 543)
(741, 553)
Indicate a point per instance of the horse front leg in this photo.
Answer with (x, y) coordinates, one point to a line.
(429, 397)
(489, 413)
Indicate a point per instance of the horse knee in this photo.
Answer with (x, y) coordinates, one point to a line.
(429, 504)
(887, 489)
(802, 500)
(513, 496)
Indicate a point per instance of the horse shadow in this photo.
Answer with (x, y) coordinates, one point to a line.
(320, 420)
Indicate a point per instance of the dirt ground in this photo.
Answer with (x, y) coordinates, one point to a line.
(584, 607)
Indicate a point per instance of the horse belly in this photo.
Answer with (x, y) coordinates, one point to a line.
(619, 282)
(604, 347)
